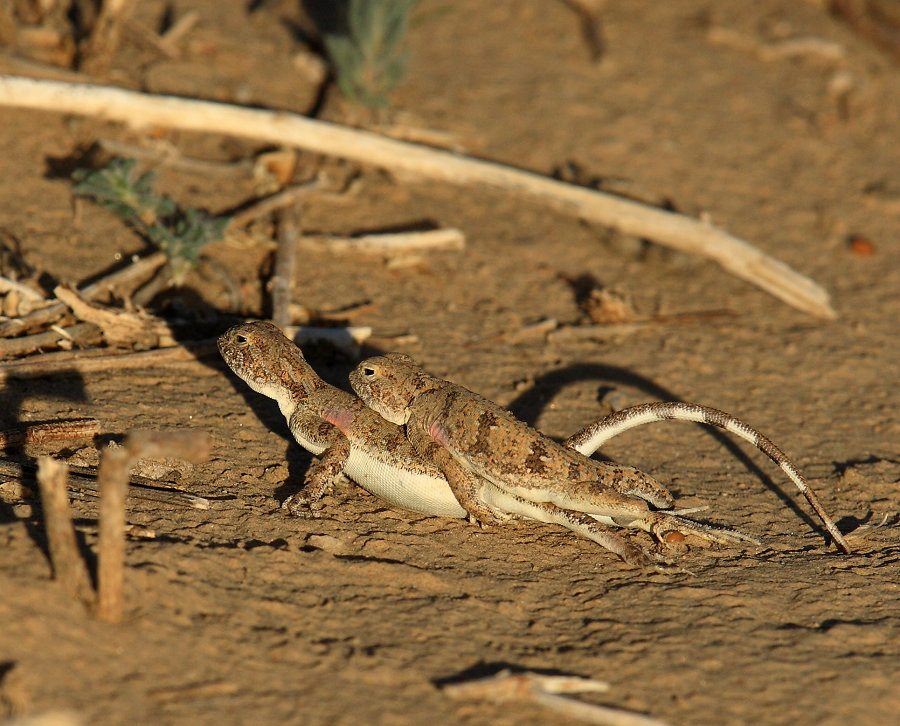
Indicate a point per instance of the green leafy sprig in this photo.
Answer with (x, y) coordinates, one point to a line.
(180, 232)
(370, 59)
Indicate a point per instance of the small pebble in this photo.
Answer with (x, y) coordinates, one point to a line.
(861, 246)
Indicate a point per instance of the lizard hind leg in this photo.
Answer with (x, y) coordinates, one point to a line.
(583, 524)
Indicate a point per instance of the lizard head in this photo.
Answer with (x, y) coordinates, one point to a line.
(389, 384)
(260, 354)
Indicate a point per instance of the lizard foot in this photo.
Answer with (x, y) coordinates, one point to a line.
(671, 529)
(487, 515)
(298, 505)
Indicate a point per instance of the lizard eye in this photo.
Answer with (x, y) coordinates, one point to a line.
(241, 338)
(368, 372)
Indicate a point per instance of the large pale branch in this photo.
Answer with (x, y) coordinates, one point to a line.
(674, 230)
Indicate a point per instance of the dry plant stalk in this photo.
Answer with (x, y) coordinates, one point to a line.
(280, 200)
(115, 464)
(391, 244)
(688, 235)
(8, 285)
(104, 40)
(285, 261)
(113, 479)
(68, 565)
(91, 361)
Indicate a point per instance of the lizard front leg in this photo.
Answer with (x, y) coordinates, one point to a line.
(313, 433)
(466, 485)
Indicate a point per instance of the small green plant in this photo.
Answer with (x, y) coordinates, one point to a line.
(370, 59)
(180, 232)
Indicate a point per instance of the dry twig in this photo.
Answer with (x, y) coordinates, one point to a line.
(167, 154)
(68, 565)
(667, 228)
(285, 261)
(391, 244)
(89, 361)
(120, 328)
(280, 200)
(113, 479)
(104, 40)
(49, 718)
(137, 271)
(7, 285)
(507, 686)
(79, 334)
(54, 431)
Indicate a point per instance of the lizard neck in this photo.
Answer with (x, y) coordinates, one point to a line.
(288, 379)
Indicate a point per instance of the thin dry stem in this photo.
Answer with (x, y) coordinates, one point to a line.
(168, 155)
(83, 483)
(391, 244)
(188, 445)
(285, 261)
(91, 361)
(105, 37)
(68, 565)
(285, 198)
(115, 464)
(8, 285)
(113, 479)
(78, 363)
(667, 228)
(120, 328)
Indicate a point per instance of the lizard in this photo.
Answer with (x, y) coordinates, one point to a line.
(350, 438)
(466, 435)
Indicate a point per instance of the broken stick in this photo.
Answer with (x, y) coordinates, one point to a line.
(114, 466)
(285, 262)
(68, 565)
(138, 270)
(674, 230)
(552, 692)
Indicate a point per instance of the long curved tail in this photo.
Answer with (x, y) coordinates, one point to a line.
(593, 436)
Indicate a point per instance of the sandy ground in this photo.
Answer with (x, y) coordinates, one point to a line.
(242, 615)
